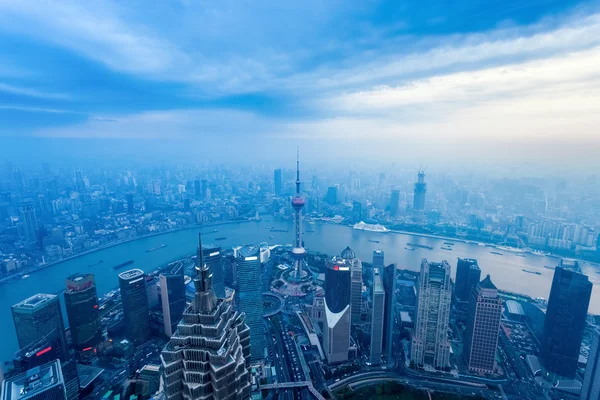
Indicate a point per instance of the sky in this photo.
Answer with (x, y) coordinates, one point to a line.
(495, 81)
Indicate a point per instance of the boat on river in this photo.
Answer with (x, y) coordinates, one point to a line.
(96, 263)
(156, 248)
(123, 264)
(496, 253)
(531, 272)
(422, 246)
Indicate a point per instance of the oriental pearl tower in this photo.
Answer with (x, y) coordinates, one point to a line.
(298, 251)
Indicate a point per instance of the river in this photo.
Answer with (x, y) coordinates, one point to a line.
(505, 270)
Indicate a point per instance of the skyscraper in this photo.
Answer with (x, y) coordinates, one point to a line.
(298, 253)
(172, 297)
(389, 285)
(468, 275)
(250, 298)
(336, 332)
(332, 193)
(277, 181)
(483, 325)
(430, 343)
(130, 207)
(213, 257)
(204, 188)
(197, 189)
(27, 210)
(208, 356)
(357, 211)
(45, 382)
(37, 317)
(590, 390)
(377, 317)
(420, 191)
(565, 322)
(81, 303)
(394, 202)
(355, 284)
(135, 305)
(378, 258)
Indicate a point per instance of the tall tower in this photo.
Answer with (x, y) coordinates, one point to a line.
(27, 210)
(298, 252)
(336, 332)
(355, 284)
(590, 389)
(430, 343)
(377, 317)
(213, 257)
(81, 302)
(208, 355)
(565, 323)
(172, 297)
(136, 311)
(481, 338)
(277, 181)
(468, 274)
(420, 190)
(389, 285)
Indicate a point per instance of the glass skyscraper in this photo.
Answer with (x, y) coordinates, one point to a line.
(377, 317)
(213, 257)
(249, 296)
(336, 335)
(468, 275)
(172, 297)
(565, 323)
(45, 382)
(81, 302)
(389, 285)
(135, 305)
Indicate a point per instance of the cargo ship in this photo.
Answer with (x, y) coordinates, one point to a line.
(123, 264)
(220, 238)
(278, 230)
(496, 253)
(373, 241)
(531, 272)
(96, 263)
(156, 248)
(422, 246)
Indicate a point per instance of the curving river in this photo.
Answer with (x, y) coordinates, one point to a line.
(505, 270)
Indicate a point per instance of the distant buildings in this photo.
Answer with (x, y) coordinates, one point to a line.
(208, 356)
(565, 322)
(483, 324)
(332, 194)
(394, 203)
(389, 285)
(213, 257)
(377, 317)
(277, 182)
(468, 275)
(250, 298)
(39, 316)
(430, 343)
(81, 303)
(45, 382)
(590, 389)
(336, 331)
(420, 191)
(172, 297)
(135, 305)
(27, 214)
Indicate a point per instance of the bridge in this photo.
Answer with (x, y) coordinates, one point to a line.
(287, 385)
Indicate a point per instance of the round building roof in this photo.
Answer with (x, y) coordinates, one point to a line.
(348, 254)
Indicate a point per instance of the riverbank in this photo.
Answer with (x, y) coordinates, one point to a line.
(40, 267)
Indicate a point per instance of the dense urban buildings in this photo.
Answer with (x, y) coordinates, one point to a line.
(468, 274)
(44, 382)
(336, 330)
(377, 317)
(430, 345)
(37, 317)
(136, 312)
(590, 389)
(249, 298)
(81, 303)
(483, 324)
(565, 322)
(213, 257)
(172, 296)
(208, 356)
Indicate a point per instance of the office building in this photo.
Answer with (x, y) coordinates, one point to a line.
(377, 317)
(394, 203)
(565, 323)
(336, 330)
(378, 258)
(389, 285)
(590, 390)
(420, 191)
(27, 216)
(38, 316)
(81, 303)
(45, 382)
(468, 275)
(430, 343)
(130, 207)
(136, 313)
(277, 183)
(355, 285)
(483, 324)
(172, 296)
(197, 189)
(357, 211)
(298, 253)
(249, 295)
(208, 356)
(332, 194)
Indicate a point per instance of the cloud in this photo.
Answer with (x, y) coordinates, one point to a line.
(36, 109)
(23, 91)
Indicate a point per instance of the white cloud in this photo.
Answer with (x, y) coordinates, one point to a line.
(28, 92)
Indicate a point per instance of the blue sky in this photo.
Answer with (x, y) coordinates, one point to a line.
(393, 78)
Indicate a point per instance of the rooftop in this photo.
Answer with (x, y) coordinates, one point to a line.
(131, 274)
(33, 382)
(487, 283)
(249, 252)
(35, 301)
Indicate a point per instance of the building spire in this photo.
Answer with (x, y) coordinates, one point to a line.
(297, 170)
(203, 275)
